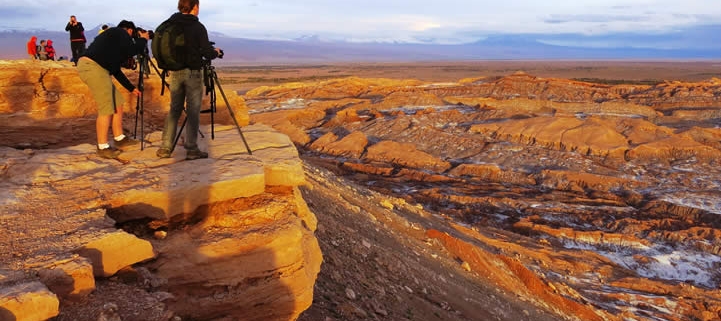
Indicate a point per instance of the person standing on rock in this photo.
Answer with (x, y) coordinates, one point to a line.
(77, 38)
(101, 61)
(186, 85)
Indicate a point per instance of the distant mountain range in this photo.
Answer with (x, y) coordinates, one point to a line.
(313, 49)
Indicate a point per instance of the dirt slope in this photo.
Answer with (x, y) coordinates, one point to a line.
(378, 263)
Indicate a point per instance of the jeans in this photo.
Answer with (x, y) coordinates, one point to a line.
(78, 49)
(186, 90)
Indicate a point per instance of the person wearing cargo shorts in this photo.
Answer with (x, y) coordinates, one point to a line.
(102, 60)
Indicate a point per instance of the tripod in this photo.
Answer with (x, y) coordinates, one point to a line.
(143, 62)
(211, 79)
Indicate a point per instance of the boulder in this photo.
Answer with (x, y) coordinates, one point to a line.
(73, 279)
(28, 302)
(115, 251)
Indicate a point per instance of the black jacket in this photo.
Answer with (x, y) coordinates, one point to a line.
(77, 32)
(113, 47)
(197, 45)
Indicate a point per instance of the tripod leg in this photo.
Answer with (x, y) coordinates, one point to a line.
(177, 137)
(232, 114)
(137, 111)
(213, 102)
(142, 122)
(140, 105)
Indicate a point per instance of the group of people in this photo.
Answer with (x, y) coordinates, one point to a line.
(46, 51)
(103, 58)
(42, 51)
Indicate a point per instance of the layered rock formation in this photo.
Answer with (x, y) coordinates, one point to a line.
(594, 201)
(230, 234)
(143, 238)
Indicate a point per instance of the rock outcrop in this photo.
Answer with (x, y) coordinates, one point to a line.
(225, 237)
(27, 302)
(232, 226)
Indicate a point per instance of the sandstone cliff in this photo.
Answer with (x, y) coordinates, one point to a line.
(141, 238)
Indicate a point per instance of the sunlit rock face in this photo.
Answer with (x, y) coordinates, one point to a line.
(227, 236)
(141, 237)
(234, 228)
(594, 195)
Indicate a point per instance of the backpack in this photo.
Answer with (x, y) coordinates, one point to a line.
(169, 46)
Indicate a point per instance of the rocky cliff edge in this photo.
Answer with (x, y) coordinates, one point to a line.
(143, 238)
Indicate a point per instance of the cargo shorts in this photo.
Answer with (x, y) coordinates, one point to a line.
(100, 82)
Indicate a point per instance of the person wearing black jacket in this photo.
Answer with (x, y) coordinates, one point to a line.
(77, 38)
(101, 61)
(186, 85)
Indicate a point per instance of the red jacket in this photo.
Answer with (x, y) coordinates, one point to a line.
(33, 46)
(50, 50)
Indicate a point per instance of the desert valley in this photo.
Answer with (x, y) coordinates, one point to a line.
(483, 190)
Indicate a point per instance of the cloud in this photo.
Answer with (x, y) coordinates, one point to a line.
(444, 21)
(596, 18)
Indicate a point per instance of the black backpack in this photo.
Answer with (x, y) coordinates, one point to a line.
(169, 46)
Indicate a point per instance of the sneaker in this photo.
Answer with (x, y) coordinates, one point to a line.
(163, 153)
(195, 154)
(109, 152)
(125, 142)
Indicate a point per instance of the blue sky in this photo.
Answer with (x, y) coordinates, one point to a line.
(437, 21)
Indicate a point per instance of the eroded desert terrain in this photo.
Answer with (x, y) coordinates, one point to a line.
(607, 194)
(453, 191)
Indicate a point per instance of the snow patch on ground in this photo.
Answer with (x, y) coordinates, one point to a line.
(710, 202)
(662, 262)
(290, 104)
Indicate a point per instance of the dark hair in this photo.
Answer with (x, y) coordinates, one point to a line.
(125, 24)
(72, 16)
(105, 27)
(185, 6)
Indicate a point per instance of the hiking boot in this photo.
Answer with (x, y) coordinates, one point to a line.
(195, 154)
(109, 153)
(125, 142)
(163, 153)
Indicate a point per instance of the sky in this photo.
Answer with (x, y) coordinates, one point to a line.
(414, 21)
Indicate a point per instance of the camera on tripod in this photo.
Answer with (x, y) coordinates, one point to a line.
(220, 53)
(138, 30)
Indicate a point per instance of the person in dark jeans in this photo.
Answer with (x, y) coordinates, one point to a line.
(186, 85)
(77, 38)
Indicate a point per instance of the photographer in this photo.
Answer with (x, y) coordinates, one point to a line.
(102, 60)
(186, 84)
(77, 38)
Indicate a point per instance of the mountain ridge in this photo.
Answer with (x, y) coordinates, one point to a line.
(315, 48)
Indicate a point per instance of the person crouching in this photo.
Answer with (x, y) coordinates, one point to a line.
(100, 61)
